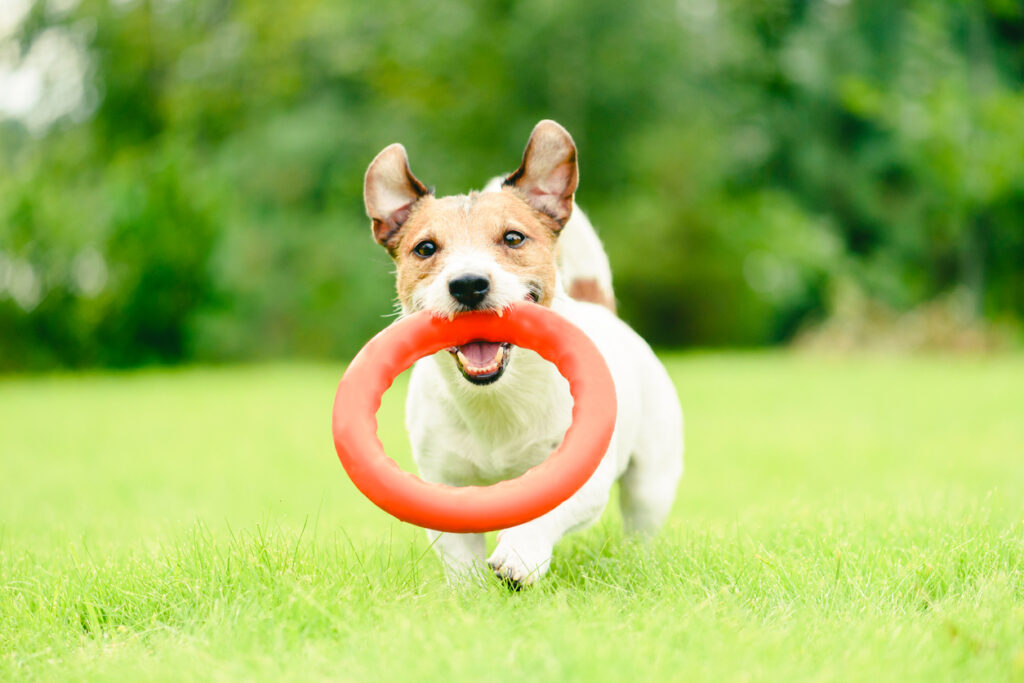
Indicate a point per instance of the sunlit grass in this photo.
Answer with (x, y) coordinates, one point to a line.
(839, 519)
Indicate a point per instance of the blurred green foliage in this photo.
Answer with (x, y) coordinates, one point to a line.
(193, 190)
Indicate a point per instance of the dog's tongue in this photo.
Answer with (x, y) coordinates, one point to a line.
(480, 354)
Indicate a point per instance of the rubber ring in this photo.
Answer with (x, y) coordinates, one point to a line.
(470, 509)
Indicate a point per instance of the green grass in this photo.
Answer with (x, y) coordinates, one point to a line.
(840, 519)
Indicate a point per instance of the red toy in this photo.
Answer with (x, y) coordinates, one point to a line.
(470, 509)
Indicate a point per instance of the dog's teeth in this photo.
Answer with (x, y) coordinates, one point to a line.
(501, 312)
(451, 317)
(491, 367)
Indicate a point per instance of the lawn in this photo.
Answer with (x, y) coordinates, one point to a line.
(840, 519)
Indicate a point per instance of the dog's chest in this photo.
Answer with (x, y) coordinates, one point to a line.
(486, 462)
(484, 444)
(479, 437)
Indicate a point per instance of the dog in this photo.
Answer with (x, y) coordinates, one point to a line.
(488, 411)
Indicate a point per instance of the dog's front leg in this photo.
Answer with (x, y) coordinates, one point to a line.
(523, 553)
(462, 554)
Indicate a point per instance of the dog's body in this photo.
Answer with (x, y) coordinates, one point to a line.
(476, 417)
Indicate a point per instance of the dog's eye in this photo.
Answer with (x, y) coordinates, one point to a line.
(513, 238)
(425, 249)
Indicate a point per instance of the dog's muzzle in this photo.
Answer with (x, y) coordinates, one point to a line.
(481, 362)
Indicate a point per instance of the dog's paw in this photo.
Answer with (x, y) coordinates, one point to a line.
(519, 564)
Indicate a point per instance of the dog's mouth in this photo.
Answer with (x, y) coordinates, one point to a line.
(482, 362)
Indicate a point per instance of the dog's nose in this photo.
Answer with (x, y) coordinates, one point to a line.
(469, 290)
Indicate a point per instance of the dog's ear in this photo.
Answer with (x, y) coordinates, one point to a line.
(548, 176)
(389, 192)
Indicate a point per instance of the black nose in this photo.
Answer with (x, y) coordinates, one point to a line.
(469, 290)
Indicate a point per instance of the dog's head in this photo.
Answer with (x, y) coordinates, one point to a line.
(481, 251)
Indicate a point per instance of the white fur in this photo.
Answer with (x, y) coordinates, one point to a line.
(463, 434)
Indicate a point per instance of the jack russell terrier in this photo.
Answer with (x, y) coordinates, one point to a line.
(487, 411)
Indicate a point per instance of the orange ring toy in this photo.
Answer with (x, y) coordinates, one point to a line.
(468, 509)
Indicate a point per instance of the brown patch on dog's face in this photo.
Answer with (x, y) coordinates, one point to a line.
(479, 228)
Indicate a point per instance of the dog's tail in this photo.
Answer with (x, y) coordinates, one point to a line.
(582, 262)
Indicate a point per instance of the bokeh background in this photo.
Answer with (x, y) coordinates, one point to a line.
(181, 181)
